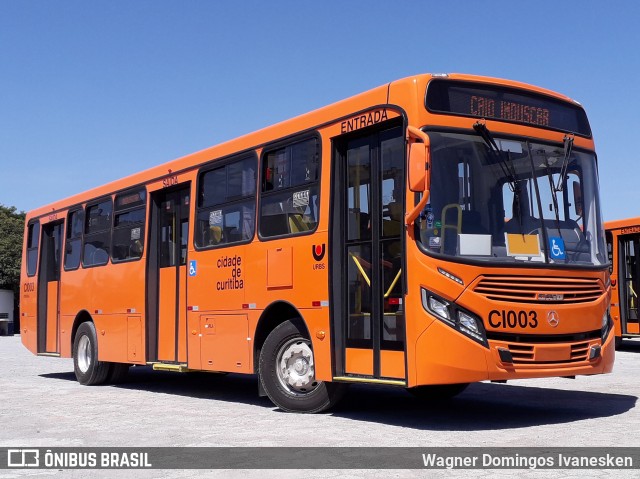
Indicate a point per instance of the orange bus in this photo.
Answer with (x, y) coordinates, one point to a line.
(432, 232)
(623, 244)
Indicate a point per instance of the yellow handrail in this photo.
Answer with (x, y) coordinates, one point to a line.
(362, 271)
(366, 277)
(386, 295)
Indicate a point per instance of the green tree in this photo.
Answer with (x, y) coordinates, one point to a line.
(11, 233)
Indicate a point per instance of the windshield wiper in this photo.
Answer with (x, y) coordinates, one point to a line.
(506, 166)
(568, 146)
(554, 188)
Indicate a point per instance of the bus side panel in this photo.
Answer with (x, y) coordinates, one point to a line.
(66, 343)
(309, 286)
(118, 292)
(121, 293)
(224, 345)
(215, 291)
(72, 300)
(135, 343)
(112, 331)
(194, 339)
(234, 280)
(28, 328)
(220, 279)
(28, 319)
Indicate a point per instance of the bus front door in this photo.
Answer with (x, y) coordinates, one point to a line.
(367, 265)
(166, 338)
(48, 288)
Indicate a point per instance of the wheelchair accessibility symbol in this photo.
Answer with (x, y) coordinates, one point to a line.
(193, 268)
(556, 248)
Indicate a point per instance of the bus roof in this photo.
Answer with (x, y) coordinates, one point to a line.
(623, 223)
(269, 134)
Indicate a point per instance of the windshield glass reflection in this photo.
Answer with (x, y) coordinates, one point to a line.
(514, 201)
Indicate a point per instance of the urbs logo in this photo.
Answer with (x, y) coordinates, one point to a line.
(318, 251)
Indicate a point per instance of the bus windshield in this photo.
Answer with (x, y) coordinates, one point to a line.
(514, 202)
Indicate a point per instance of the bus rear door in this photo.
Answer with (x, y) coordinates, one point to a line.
(166, 289)
(48, 288)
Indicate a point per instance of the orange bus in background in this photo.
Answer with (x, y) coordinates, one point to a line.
(433, 232)
(623, 244)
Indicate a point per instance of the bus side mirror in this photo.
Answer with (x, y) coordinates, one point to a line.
(418, 170)
(418, 161)
(418, 167)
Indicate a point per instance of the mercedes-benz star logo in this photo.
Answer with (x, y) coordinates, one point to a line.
(553, 319)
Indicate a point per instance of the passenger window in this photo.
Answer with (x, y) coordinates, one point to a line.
(97, 234)
(226, 204)
(33, 239)
(290, 189)
(128, 226)
(73, 244)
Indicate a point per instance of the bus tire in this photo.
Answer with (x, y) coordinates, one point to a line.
(117, 373)
(89, 371)
(438, 392)
(287, 372)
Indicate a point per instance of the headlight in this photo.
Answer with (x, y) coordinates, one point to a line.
(469, 325)
(454, 316)
(605, 325)
(439, 308)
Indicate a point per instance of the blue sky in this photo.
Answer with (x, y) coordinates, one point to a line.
(91, 91)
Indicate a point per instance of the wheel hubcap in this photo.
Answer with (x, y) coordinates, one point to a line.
(296, 370)
(84, 354)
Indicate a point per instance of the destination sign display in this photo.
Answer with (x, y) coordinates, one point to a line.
(130, 199)
(505, 104)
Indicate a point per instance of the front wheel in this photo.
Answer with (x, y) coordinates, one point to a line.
(89, 371)
(287, 372)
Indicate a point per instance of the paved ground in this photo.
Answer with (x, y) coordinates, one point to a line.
(43, 406)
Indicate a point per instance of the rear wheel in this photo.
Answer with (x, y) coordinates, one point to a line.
(89, 371)
(287, 372)
(438, 392)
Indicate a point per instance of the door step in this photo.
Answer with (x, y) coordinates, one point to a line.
(391, 382)
(176, 368)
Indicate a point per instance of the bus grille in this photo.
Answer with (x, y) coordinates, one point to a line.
(528, 354)
(531, 289)
(546, 349)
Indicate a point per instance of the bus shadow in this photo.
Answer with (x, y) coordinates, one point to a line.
(630, 345)
(234, 388)
(482, 406)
